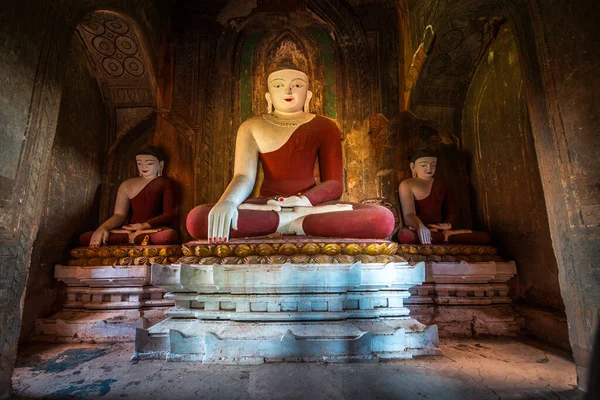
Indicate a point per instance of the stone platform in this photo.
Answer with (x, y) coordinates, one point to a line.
(466, 290)
(277, 300)
(108, 294)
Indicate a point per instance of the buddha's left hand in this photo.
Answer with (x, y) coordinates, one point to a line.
(441, 227)
(137, 227)
(290, 201)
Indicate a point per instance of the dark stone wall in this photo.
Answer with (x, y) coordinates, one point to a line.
(506, 186)
(73, 185)
(36, 39)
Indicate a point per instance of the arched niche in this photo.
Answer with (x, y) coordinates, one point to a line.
(302, 49)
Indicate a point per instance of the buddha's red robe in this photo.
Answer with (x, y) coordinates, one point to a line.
(289, 171)
(155, 204)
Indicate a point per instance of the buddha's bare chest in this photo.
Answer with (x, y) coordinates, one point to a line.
(421, 189)
(271, 138)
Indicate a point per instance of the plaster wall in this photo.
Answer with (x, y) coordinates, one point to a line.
(506, 187)
(73, 185)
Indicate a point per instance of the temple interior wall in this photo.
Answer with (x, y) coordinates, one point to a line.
(197, 109)
(507, 195)
(73, 186)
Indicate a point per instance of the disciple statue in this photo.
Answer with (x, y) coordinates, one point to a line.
(287, 140)
(429, 207)
(152, 201)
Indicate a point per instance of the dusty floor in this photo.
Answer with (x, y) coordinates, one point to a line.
(469, 369)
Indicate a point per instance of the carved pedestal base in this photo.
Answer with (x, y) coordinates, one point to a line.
(108, 294)
(95, 326)
(466, 298)
(267, 311)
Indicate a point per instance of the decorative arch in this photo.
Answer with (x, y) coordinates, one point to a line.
(294, 43)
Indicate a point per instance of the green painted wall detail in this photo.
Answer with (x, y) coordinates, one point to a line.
(250, 43)
(326, 46)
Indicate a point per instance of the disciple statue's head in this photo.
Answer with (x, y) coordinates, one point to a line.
(423, 164)
(150, 162)
(288, 89)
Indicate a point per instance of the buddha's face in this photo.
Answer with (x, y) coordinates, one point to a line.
(288, 90)
(424, 167)
(148, 165)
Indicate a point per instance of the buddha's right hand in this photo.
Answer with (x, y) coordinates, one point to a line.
(290, 201)
(222, 217)
(424, 234)
(100, 236)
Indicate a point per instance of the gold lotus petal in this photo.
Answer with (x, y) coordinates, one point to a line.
(468, 250)
(448, 258)
(462, 257)
(383, 259)
(119, 252)
(434, 258)
(95, 261)
(157, 260)
(109, 261)
(78, 253)
(231, 260)
(412, 250)
(439, 250)
(166, 252)
(310, 249)
(321, 259)
(210, 260)
(265, 250)
(426, 251)
(419, 258)
(89, 253)
(253, 259)
(343, 259)
(125, 261)
(455, 250)
(497, 258)
(242, 250)
(399, 259)
(288, 249)
(300, 259)
(491, 250)
(82, 262)
(73, 262)
(221, 251)
(390, 249)
(134, 253)
(374, 249)
(140, 261)
(187, 252)
(202, 251)
(173, 259)
(476, 258)
(331, 249)
(351, 249)
(277, 259)
(104, 253)
(189, 260)
(150, 252)
(365, 258)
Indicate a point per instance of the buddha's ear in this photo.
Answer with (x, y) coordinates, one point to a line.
(309, 95)
(269, 102)
(161, 165)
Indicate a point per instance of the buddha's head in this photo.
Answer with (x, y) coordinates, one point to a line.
(150, 162)
(423, 164)
(288, 89)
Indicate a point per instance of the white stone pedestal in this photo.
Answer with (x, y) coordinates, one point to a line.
(252, 313)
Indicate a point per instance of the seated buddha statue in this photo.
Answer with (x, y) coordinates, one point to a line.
(151, 201)
(288, 140)
(429, 207)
